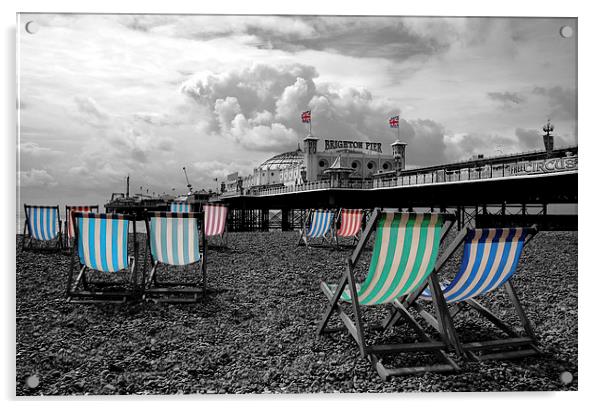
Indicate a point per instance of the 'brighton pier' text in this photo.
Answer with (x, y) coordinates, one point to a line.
(371, 146)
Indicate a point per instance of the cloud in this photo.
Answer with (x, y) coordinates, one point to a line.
(35, 178)
(463, 146)
(529, 138)
(562, 102)
(244, 112)
(35, 150)
(506, 97)
(89, 107)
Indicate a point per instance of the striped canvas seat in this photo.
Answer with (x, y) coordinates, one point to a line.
(404, 259)
(102, 241)
(174, 238)
(489, 260)
(180, 207)
(405, 251)
(351, 222)
(69, 211)
(321, 222)
(42, 222)
(215, 219)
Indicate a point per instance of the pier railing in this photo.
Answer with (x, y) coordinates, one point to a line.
(435, 176)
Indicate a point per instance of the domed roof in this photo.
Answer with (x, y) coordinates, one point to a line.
(283, 160)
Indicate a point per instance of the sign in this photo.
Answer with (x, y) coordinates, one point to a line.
(330, 144)
(232, 177)
(548, 165)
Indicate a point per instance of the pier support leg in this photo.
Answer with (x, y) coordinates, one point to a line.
(286, 226)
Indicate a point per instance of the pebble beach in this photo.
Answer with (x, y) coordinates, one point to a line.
(255, 332)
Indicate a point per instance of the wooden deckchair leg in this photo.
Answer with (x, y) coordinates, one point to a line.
(446, 325)
(491, 317)
(70, 277)
(332, 304)
(519, 309)
(356, 309)
(404, 313)
(81, 277)
(24, 238)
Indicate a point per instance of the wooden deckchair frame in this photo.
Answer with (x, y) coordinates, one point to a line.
(355, 325)
(330, 234)
(337, 221)
(88, 296)
(28, 240)
(223, 238)
(164, 291)
(520, 345)
(68, 243)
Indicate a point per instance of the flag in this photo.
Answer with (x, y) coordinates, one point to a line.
(394, 121)
(306, 117)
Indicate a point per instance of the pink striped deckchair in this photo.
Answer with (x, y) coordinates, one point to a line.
(215, 222)
(70, 221)
(350, 224)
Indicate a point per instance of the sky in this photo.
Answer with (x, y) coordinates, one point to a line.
(104, 96)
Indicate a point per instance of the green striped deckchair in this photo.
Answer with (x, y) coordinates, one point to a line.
(403, 258)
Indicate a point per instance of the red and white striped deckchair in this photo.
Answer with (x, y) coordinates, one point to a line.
(70, 221)
(350, 224)
(215, 222)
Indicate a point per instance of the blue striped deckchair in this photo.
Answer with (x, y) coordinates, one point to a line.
(173, 241)
(489, 261)
(403, 258)
(42, 225)
(180, 207)
(102, 246)
(321, 227)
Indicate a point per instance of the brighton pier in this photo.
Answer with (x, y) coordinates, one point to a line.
(514, 189)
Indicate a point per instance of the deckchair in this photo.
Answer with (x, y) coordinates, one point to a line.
(350, 224)
(321, 227)
(102, 245)
(173, 241)
(215, 222)
(70, 222)
(403, 259)
(42, 225)
(489, 262)
(180, 207)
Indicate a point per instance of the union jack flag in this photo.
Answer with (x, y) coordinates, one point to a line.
(306, 117)
(394, 121)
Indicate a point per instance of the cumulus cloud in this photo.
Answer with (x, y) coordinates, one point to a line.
(259, 108)
(90, 108)
(35, 178)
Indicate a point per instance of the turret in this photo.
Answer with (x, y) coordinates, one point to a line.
(310, 148)
(399, 154)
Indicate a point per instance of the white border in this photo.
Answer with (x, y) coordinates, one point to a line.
(589, 269)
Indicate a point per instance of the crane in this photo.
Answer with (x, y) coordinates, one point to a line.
(187, 181)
